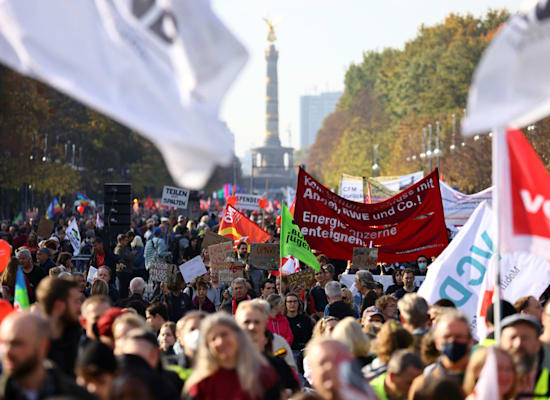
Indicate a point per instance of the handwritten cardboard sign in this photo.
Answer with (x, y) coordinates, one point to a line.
(160, 271)
(228, 271)
(221, 253)
(264, 256)
(211, 238)
(301, 281)
(45, 228)
(365, 258)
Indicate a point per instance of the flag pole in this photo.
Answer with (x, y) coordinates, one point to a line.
(498, 143)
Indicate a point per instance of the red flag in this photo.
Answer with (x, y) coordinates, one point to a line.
(524, 192)
(238, 227)
(148, 203)
(369, 194)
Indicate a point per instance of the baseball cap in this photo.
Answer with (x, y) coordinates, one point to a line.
(164, 219)
(518, 318)
(371, 311)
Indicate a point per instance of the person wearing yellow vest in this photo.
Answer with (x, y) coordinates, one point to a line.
(506, 309)
(520, 337)
(403, 367)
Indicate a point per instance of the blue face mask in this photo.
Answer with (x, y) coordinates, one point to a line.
(422, 265)
(454, 351)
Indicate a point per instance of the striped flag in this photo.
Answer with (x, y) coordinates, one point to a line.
(21, 298)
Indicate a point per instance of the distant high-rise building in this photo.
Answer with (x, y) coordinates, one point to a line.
(313, 110)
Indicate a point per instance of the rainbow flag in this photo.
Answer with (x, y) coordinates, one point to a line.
(53, 208)
(18, 218)
(21, 299)
(83, 199)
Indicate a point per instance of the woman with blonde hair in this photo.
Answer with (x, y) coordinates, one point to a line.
(506, 370)
(99, 287)
(349, 331)
(324, 326)
(228, 365)
(347, 296)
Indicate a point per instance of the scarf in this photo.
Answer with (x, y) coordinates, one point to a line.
(234, 308)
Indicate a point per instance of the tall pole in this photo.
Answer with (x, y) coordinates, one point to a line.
(498, 147)
(437, 148)
(429, 152)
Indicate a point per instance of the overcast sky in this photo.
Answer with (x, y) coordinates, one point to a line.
(317, 41)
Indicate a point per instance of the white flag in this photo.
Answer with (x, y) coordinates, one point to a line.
(74, 236)
(460, 272)
(458, 206)
(511, 85)
(487, 387)
(160, 67)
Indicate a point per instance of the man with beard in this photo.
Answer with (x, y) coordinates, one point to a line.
(520, 337)
(59, 300)
(26, 372)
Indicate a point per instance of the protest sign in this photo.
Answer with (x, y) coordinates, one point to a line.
(352, 188)
(385, 280)
(192, 269)
(45, 228)
(364, 258)
(74, 236)
(92, 273)
(397, 183)
(247, 202)
(174, 197)
(228, 271)
(160, 271)
(299, 281)
(211, 238)
(458, 206)
(459, 272)
(221, 253)
(407, 225)
(264, 256)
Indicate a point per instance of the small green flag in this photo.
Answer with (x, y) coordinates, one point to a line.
(293, 242)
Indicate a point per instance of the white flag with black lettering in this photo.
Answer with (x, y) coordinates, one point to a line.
(160, 67)
(73, 234)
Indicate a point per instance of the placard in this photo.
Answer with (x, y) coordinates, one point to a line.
(364, 257)
(160, 271)
(264, 256)
(247, 202)
(92, 273)
(211, 238)
(301, 281)
(229, 271)
(221, 253)
(174, 197)
(192, 269)
(45, 228)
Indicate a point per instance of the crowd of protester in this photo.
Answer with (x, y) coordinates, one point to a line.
(120, 336)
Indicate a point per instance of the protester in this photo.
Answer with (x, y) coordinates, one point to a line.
(349, 332)
(90, 311)
(26, 372)
(32, 273)
(300, 324)
(453, 340)
(267, 288)
(102, 256)
(126, 265)
(505, 370)
(177, 302)
(156, 315)
(387, 305)
(96, 369)
(135, 300)
(45, 263)
(404, 366)
(414, 314)
(187, 334)
(529, 305)
(201, 301)
(105, 274)
(228, 365)
(519, 337)
(59, 300)
(545, 320)
(347, 296)
(8, 280)
(277, 322)
(506, 309)
(238, 287)
(408, 284)
(365, 284)
(167, 338)
(317, 297)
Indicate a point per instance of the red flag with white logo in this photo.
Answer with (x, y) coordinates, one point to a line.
(524, 192)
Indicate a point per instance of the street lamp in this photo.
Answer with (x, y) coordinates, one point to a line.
(423, 153)
(453, 146)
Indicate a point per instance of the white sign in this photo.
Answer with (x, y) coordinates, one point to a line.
(73, 234)
(457, 206)
(399, 183)
(458, 274)
(192, 269)
(160, 67)
(386, 280)
(247, 202)
(92, 273)
(351, 188)
(174, 197)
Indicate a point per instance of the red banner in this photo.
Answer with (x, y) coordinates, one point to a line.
(407, 225)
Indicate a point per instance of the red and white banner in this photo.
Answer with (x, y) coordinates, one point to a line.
(238, 227)
(524, 192)
(403, 227)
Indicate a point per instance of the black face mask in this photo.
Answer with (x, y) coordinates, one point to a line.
(454, 351)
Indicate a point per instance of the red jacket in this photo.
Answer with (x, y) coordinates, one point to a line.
(281, 327)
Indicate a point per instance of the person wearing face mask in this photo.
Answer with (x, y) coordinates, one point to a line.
(422, 263)
(453, 340)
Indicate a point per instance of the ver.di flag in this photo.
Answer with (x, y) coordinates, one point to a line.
(21, 298)
(524, 192)
(293, 243)
(74, 236)
(161, 67)
(461, 272)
